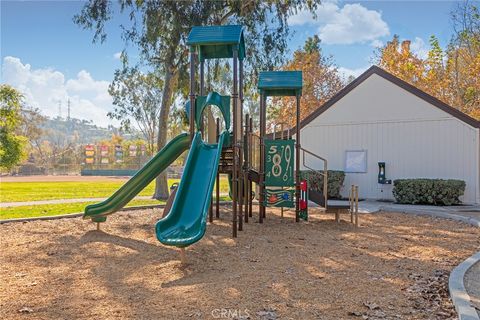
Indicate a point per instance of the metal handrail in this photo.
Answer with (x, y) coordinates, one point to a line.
(324, 173)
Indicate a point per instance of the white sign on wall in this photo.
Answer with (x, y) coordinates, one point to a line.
(356, 161)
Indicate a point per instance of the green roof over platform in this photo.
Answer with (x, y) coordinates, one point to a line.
(213, 42)
(280, 83)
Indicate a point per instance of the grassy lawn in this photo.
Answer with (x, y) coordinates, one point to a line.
(32, 191)
(57, 209)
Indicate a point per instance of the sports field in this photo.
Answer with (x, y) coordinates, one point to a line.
(39, 188)
(34, 191)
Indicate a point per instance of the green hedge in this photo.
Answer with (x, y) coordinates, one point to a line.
(428, 191)
(334, 183)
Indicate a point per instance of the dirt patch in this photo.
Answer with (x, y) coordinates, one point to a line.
(391, 267)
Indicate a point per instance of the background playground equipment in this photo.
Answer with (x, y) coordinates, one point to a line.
(113, 160)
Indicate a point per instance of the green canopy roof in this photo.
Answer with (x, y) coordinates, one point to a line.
(212, 42)
(280, 83)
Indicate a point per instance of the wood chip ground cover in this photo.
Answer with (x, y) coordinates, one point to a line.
(395, 266)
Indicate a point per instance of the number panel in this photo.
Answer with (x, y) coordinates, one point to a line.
(279, 163)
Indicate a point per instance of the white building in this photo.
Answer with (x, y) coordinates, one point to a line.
(380, 118)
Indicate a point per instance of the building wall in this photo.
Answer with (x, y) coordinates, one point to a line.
(414, 138)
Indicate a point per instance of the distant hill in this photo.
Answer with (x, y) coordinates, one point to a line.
(80, 131)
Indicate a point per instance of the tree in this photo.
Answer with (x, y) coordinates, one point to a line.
(137, 96)
(159, 30)
(12, 145)
(450, 75)
(31, 122)
(321, 81)
(30, 127)
(436, 80)
(464, 58)
(397, 58)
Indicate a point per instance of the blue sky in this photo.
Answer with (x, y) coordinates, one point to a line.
(52, 60)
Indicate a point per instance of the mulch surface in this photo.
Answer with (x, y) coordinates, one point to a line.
(394, 266)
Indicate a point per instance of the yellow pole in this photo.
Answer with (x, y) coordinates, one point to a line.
(350, 202)
(356, 206)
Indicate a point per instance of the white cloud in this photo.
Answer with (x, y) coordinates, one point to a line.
(352, 23)
(323, 14)
(117, 55)
(419, 47)
(345, 73)
(44, 88)
(376, 43)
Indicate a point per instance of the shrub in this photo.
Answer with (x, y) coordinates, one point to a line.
(428, 191)
(334, 182)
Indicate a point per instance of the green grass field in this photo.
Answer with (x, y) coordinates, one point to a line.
(35, 191)
(65, 208)
(57, 209)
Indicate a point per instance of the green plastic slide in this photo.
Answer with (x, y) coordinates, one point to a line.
(187, 220)
(140, 180)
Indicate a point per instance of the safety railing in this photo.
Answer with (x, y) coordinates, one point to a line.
(282, 131)
(323, 173)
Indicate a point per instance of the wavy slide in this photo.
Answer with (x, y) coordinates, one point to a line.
(186, 222)
(98, 212)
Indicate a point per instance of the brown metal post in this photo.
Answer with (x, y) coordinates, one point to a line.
(217, 212)
(235, 138)
(192, 93)
(297, 164)
(261, 182)
(250, 159)
(246, 165)
(202, 128)
(202, 93)
(210, 210)
(240, 148)
(202, 78)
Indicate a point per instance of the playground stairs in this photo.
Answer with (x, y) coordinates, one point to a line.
(226, 161)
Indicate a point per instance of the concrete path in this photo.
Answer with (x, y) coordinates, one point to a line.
(463, 285)
(58, 201)
(472, 284)
(469, 214)
(465, 213)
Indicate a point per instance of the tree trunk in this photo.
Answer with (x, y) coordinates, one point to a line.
(161, 185)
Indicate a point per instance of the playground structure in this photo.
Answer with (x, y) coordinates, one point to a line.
(228, 147)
